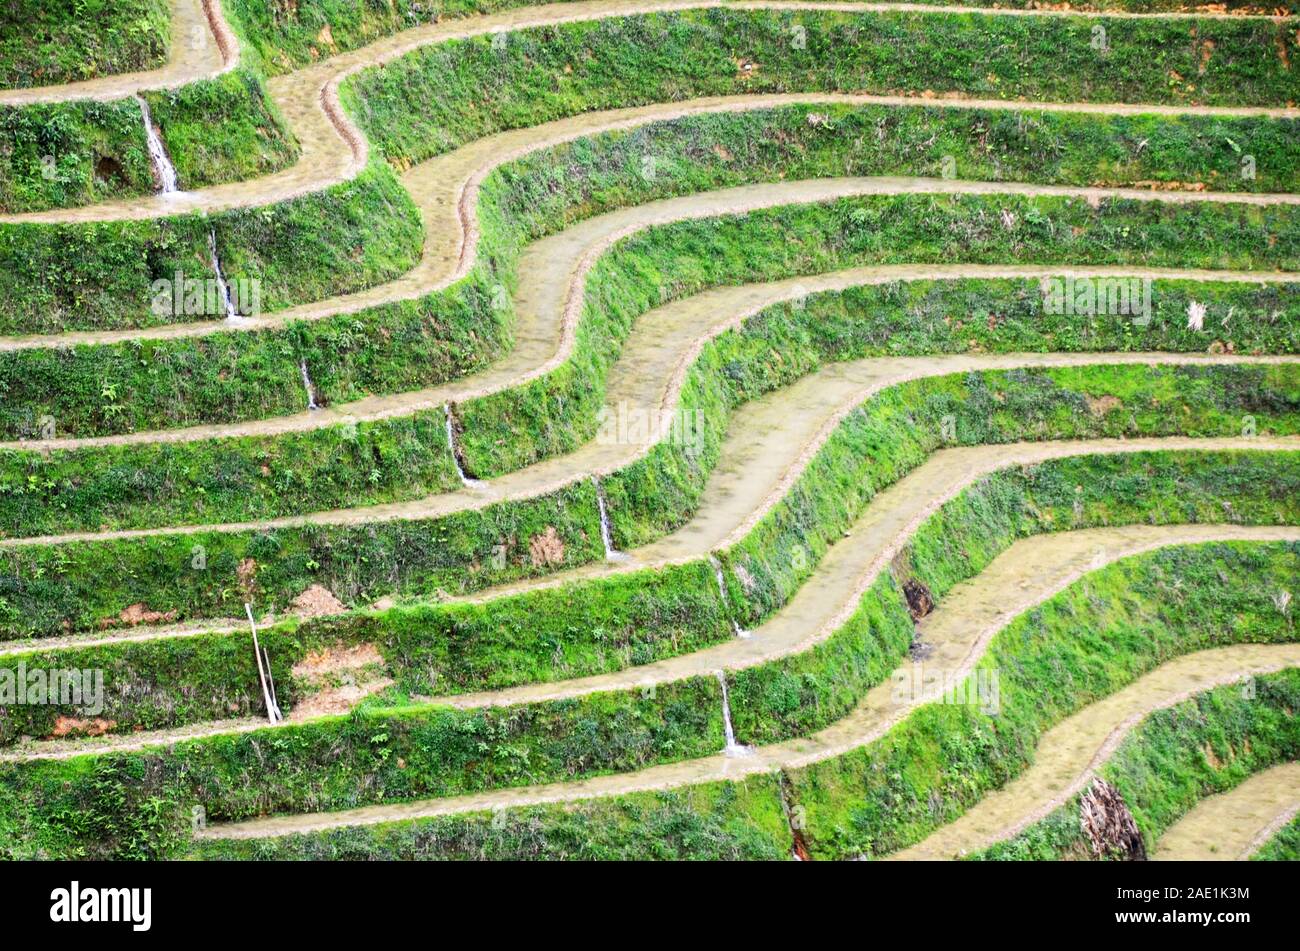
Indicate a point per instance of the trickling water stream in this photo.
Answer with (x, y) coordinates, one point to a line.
(161, 163)
(455, 450)
(611, 553)
(717, 573)
(306, 382)
(226, 300)
(722, 590)
(732, 748)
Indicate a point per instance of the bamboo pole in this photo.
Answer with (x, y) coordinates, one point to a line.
(271, 711)
(270, 677)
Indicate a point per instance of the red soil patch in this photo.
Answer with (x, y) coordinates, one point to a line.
(546, 549)
(75, 726)
(317, 601)
(136, 614)
(335, 660)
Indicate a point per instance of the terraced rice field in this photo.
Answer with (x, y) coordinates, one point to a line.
(650, 430)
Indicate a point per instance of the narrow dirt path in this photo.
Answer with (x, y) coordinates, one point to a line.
(767, 446)
(956, 636)
(200, 27)
(1069, 755)
(1010, 585)
(202, 46)
(846, 386)
(126, 742)
(958, 633)
(451, 244)
(326, 159)
(1234, 825)
(553, 275)
(335, 149)
(145, 632)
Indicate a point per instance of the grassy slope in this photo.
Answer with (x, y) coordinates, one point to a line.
(48, 42)
(689, 156)
(66, 154)
(646, 63)
(46, 587)
(1084, 644)
(718, 150)
(1175, 758)
(351, 356)
(220, 130)
(103, 276)
(558, 411)
(406, 458)
(288, 36)
(379, 754)
(384, 754)
(1235, 564)
(1215, 719)
(545, 73)
(1283, 847)
(607, 624)
(708, 822)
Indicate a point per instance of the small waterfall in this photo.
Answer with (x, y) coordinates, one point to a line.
(717, 573)
(455, 449)
(732, 748)
(611, 554)
(722, 590)
(798, 844)
(226, 300)
(306, 382)
(161, 163)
